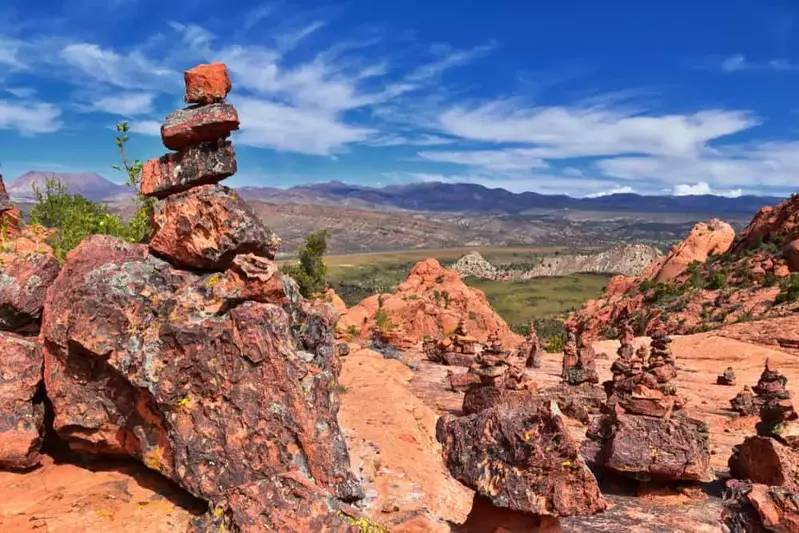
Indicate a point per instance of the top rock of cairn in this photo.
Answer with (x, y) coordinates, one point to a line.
(198, 223)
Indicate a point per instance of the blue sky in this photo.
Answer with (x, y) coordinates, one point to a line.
(578, 97)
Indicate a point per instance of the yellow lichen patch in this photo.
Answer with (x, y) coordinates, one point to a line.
(364, 525)
(185, 401)
(566, 463)
(213, 280)
(104, 513)
(153, 458)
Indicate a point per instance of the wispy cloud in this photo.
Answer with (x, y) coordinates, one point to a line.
(29, 119)
(126, 104)
(21, 92)
(739, 62)
(500, 160)
(403, 140)
(126, 71)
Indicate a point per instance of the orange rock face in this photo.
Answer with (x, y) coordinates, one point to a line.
(714, 237)
(206, 84)
(203, 164)
(195, 125)
(206, 227)
(430, 302)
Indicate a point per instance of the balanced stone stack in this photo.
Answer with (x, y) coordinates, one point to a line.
(770, 386)
(727, 378)
(569, 349)
(768, 464)
(644, 432)
(530, 349)
(27, 268)
(499, 384)
(191, 203)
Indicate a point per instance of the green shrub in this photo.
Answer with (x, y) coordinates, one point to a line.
(717, 280)
(789, 290)
(139, 225)
(311, 272)
(554, 344)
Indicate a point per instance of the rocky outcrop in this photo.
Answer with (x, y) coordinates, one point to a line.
(430, 302)
(196, 357)
(706, 238)
(27, 268)
(755, 508)
(627, 259)
(21, 404)
(521, 459)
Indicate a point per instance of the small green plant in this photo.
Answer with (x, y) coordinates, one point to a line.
(139, 225)
(554, 344)
(717, 280)
(311, 272)
(445, 296)
(382, 320)
(789, 290)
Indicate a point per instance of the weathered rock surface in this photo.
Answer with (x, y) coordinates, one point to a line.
(25, 275)
(713, 237)
(431, 302)
(764, 460)
(206, 84)
(201, 164)
(754, 508)
(5, 201)
(522, 460)
(195, 125)
(207, 227)
(645, 447)
(145, 360)
(21, 408)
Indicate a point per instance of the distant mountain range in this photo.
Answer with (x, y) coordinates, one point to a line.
(428, 197)
(92, 186)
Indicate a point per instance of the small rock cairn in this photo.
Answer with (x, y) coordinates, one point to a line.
(727, 378)
(770, 386)
(579, 362)
(186, 182)
(530, 350)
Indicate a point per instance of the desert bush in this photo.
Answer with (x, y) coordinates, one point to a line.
(789, 290)
(139, 228)
(311, 272)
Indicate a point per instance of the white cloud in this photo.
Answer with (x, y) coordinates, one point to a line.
(266, 124)
(146, 127)
(618, 189)
(130, 71)
(126, 104)
(499, 160)
(418, 140)
(702, 188)
(564, 132)
(29, 119)
(10, 51)
(738, 62)
(21, 92)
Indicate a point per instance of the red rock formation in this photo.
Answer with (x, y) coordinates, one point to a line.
(713, 237)
(21, 410)
(201, 164)
(767, 461)
(756, 508)
(521, 459)
(26, 271)
(195, 125)
(431, 302)
(771, 222)
(207, 227)
(206, 84)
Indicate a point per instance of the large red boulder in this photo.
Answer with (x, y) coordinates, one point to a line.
(21, 408)
(669, 449)
(214, 392)
(24, 278)
(202, 164)
(764, 460)
(206, 84)
(206, 227)
(705, 238)
(195, 125)
(521, 459)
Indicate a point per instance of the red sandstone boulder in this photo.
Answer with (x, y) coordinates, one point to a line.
(21, 408)
(521, 459)
(764, 460)
(196, 125)
(25, 275)
(756, 508)
(5, 201)
(146, 360)
(206, 84)
(644, 447)
(202, 164)
(791, 254)
(770, 222)
(713, 237)
(207, 227)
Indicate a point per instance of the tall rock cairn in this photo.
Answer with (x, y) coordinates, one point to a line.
(192, 206)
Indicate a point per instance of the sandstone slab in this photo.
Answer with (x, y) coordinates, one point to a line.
(21, 409)
(24, 278)
(522, 459)
(206, 84)
(201, 164)
(196, 125)
(207, 227)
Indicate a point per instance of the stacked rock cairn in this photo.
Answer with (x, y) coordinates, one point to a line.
(579, 362)
(186, 182)
(770, 386)
(531, 350)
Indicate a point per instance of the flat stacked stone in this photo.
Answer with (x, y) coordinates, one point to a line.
(770, 386)
(570, 349)
(198, 223)
(499, 384)
(727, 378)
(645, 433)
